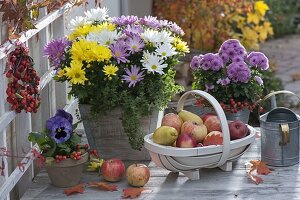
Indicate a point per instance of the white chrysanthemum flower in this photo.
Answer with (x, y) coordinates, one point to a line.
(150, 35)
(164, 36)
(154, 64)
(77, 22)
(98, 14)
(165, 50)
(104, 37)
(146, 56)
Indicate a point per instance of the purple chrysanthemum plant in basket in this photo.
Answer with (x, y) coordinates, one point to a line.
(232, 76)
(59, 141)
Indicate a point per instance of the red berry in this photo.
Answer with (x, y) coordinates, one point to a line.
(86, 146)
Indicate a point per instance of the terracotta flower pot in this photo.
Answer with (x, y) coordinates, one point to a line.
(66, 173)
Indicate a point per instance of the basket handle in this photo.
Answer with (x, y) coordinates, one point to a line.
(219, 111)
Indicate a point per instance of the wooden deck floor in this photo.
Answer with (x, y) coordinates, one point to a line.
(282, 183)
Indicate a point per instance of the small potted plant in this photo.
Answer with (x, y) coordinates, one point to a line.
(232, 76)
(62, 148)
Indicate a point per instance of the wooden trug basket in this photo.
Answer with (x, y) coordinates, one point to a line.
(190, 160)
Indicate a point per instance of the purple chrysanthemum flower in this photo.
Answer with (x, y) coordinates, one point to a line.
(55, 51)
(195, 63)
(237, 59)
(208, 86)
(150, 21)
(119, 51)
(164, 23)
(64, 114)
(125, 20)
(60, 129)
(132, 30)
(259, 80)
(230, 49)
(258, 59)
(175, 28)
(133, 75)
(212, 62)
(135, 44)
(224, 81)
(239, 72)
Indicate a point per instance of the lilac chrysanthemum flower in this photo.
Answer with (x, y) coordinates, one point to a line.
(208, 86)
(60, 129)
(212, 62)
(125, 20)
(224, 81)
(230, 49)
(195, 63)
(239, 72)
(150, 21)
(133, 75)
(258, 59)
(55, 49)
(135, 44)
(119, 51)
(175, 28)
(259, 80)
(132, 30)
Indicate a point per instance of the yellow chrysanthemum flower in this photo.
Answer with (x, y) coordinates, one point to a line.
(110, 70)
(89, 51)
(60, 73)
(181, 45)
(261, 7)
(81, 31)
(75, 73)
(105, 25)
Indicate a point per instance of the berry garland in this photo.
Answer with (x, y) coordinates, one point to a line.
(22, 89)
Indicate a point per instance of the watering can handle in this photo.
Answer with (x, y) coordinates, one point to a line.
(278, 92)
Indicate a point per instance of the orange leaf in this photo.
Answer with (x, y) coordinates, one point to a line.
(256, 179)
(260, 168)
(74, 190)
(132, 192)
(104, 186)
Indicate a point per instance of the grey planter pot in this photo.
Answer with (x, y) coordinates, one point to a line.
(67, 173)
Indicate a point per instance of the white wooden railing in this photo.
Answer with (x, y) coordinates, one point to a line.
(14, 128)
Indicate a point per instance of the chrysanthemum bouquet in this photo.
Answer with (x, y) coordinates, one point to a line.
(232, 75)
(59, 141)
(125, 62)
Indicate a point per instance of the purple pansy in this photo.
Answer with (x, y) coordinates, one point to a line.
(259, 80)
(224, 81)
(135, 44)
(230, 49)
(258, 59)
(195, 63)
(133, 75)
(212, 62)
(239, 72)
(119, 51)
(208, 86)
(125, 20)
(63, 113)
(60, 129)
(55, 51)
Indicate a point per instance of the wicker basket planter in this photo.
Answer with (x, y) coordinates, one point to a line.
(190, 160)
(105, 133)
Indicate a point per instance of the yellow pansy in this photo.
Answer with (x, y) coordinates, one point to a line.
(268, 27)
(250, 34)
(261, 7)
(253, 17)
(75, 73)
(262, 33)
(110, 70)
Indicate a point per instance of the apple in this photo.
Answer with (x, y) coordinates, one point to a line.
(197, 131)
(206, 116)
(188, 126)
(113, 170)
(213, 138)
(172, 120)
(137, 175)
(213, 123)
(237, 129)
(185, 140)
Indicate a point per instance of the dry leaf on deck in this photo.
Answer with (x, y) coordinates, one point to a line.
(74, 190)
(132, 192)
(104, 186)
(260, 168)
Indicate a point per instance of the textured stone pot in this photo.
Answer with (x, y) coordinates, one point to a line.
(106, 134)
(66, 173)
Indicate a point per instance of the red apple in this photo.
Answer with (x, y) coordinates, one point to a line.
(237, 129)
(197, 131)
(172, 120)
(113, 170)
(185, 140)
(206, 116)
(213, 123)
(138, 175)
(213, 138)
(187, 127)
